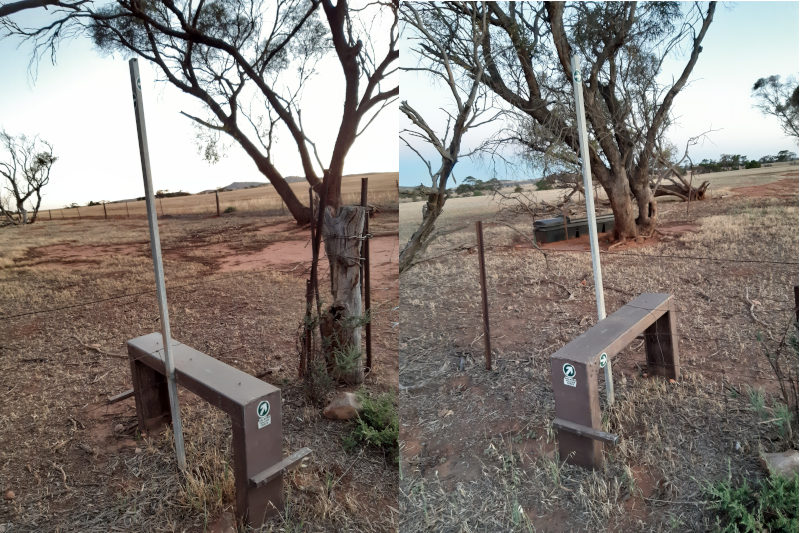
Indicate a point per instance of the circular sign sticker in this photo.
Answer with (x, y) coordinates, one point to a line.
(576, 75)
(603, 359)
(569, 370)
(263, 409)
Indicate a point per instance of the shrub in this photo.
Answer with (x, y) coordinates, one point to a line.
(518, 188)
(377, 424)
(753, 164)
(769, 505)
(543, 185)
(229, 209)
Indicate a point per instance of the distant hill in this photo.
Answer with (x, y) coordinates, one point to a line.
(238, 185)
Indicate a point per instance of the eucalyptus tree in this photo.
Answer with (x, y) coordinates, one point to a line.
(25, 164)
(247, 62)
(623, 47)
(430, 37)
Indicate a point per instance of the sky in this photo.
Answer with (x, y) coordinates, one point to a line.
(746, 41)
(83, 106)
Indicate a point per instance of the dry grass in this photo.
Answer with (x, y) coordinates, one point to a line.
(459, 212)
(262, 200)
(76, 463)
(478, 452)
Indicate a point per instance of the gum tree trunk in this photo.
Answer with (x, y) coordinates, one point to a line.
(619, 195)
(341, 325)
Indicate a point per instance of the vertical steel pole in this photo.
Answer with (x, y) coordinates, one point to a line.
(365, 272)
(577, 83)
(155, 247)
(487, 341)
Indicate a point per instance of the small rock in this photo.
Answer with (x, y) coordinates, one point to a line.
(343, 407)
(784, 463)
(119, 428)
(9, 495)
(137, 451)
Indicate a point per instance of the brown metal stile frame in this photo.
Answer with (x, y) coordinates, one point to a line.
(578, 417)
(257, 451)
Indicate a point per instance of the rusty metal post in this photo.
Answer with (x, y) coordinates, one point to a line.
(365, 276)
(161, 203)
(50, 213)
(105, 214)
(127, 213)
(487, 343)
(216, 195)
(79, 212)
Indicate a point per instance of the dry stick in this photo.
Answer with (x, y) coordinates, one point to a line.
(315, 243)
(98, 350)
(481, 261)
(752, 313)
(365, 273)
(305, 360)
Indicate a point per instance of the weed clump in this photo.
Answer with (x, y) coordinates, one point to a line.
(377, 424)
(769, 505)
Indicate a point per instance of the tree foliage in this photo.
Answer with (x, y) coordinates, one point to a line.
(779, 99)
(247, 62)
(25, 164)
(623, 46)
(468, 106)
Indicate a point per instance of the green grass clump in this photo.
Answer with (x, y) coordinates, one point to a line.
(769, 505)
(377, 424)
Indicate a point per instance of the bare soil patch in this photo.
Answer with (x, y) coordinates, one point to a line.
(785, 188)
(77, 463)
(478, 450)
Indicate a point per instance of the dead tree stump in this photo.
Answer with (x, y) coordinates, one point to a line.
(341, 325)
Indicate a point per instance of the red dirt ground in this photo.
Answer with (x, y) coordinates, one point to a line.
(777, 189)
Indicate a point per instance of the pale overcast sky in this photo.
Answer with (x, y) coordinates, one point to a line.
(83, 106)
(746, 41)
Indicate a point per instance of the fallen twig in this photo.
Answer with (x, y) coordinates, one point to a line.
(99, 350)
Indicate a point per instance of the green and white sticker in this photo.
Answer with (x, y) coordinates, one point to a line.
(569, 375)
(603, 359)
(264, 418)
